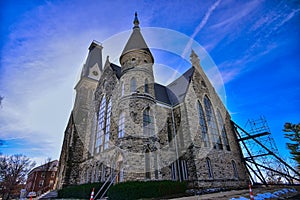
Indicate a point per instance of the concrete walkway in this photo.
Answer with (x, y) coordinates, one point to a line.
(220, 195)
(49, 195)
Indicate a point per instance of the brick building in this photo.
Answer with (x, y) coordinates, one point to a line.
(42, 178)
(125, 126)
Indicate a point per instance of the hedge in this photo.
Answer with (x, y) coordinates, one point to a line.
(79, 191)
(150, 189)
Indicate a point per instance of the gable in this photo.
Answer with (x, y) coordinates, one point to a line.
(178, 88)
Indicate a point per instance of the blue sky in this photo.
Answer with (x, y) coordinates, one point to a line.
(43, 44)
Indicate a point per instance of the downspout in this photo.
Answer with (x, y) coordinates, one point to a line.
(176, 147)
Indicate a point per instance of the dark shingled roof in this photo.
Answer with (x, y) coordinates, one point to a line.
(94, 56)
(136, 40)
(177, 89)
(161, 93)
(116, 69)
(171, 94)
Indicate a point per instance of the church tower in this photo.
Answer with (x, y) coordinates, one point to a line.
(83, 110)
(137, 64)
(137, 105)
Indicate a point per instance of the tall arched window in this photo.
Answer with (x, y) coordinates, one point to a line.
(148, 122)
(223, 130)
(235, 172)
(147, 165)
(133, 85)
(100, 129)
(212, 125)
(146, 86)
(107, 129)
(184, 171)
(103, 128)
(121, 128)
(203, 126)
(209, 168)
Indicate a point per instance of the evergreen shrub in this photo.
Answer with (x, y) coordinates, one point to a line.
(150, 189)
(82, 191)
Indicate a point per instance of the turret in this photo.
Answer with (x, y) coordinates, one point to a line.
(137, 64)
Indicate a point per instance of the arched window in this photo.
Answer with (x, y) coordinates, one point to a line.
(107, 129)
(203, 126)
(184, 171)
(235, 172)
(103, 128)
(100, 129)
(146, 86)
(148, 123)
(103, 173)
(122, 89)
(133, 85)
(212, 125)
(173, 171)
(223, 130)
(147, 165)
(97, 173)
(121, 129)
(209, 168)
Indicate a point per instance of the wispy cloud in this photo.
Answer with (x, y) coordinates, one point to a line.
(40, 63)
(256, 41)
(235, 68)
(199, 27)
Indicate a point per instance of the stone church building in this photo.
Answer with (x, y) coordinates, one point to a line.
(125, 126)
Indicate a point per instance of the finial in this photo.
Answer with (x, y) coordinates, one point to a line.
(193, 54)
(136, 21)
(194, 59)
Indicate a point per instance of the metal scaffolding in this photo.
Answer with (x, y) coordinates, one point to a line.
(261, 155)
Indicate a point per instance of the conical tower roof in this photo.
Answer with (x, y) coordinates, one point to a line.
(136, 40)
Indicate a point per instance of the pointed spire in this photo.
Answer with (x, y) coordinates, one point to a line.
(136, 21)
(136, 40)
(107, 63)
(194, 59)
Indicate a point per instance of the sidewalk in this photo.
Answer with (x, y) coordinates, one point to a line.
(243, 193)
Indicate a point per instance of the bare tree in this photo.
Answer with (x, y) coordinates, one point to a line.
(13, 171)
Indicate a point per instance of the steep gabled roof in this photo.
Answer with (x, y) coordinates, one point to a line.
(178, 88)
(94, 57)
(116, 69)
(161, 93)
(171, 94)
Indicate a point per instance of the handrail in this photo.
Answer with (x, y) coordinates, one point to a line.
(103, 185)
(108, 186)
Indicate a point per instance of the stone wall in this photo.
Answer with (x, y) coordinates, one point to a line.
(221, 159)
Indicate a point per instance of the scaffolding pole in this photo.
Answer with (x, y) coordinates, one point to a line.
(261, 155)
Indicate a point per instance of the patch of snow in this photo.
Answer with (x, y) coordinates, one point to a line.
(268, 195)
(240, 198)
(265, 196)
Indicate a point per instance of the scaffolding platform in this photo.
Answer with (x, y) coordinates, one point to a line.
(261, 155)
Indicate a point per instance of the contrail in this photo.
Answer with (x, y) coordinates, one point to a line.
(199, 27)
